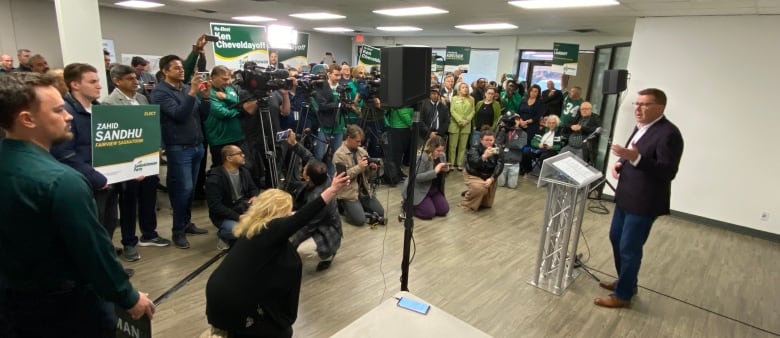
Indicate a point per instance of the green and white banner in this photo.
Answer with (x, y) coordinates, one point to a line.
(369, 56)
(565, 57)
(239, 44)
(298, 55)
(457, 58)
(126, 141)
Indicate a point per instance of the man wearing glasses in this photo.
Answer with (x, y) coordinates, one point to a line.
(645, 170)
(229, 193)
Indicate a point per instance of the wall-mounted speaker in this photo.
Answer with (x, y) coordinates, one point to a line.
(614, 81)
(406, 75)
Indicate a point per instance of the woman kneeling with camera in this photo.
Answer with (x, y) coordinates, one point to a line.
(484, 163)
(428, 199)
(254, 292)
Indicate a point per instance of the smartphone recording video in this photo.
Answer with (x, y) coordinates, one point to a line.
(205, 76)
(212, 38)
(282, 135)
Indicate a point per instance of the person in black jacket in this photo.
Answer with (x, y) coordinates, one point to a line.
(322, 232)
(255, 290)
(435, 117)
(553, 100)
(484, 163)
(229, 193)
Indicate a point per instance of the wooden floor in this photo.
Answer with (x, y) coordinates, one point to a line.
(696, 281)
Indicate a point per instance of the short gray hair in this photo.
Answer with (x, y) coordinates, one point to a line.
(118, 71)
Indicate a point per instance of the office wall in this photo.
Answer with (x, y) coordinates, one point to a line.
(508, 46)
(132, 31)
(719, 73)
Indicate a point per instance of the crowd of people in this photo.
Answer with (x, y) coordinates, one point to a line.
(283, 170)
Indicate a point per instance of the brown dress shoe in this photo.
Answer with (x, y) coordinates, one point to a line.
(611, 286)
(608, 285)
(611, 301)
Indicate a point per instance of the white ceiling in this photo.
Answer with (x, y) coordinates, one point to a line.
(612, 20)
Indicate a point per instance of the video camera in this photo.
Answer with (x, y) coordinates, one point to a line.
(507, 120)
(308, 82)
(259, 82)
(368, 87)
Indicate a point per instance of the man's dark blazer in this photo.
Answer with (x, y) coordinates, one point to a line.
(554, 102)
(427, 119)
(646, 189)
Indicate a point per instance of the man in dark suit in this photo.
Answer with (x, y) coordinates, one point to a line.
(553, 99)
(645, 171)
(435, 117)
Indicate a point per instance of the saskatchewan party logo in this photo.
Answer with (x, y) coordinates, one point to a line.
(138, 166)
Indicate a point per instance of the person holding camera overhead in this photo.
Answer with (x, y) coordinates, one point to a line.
(484, 164)
(229, 193)
(428, 198)
(357, 199)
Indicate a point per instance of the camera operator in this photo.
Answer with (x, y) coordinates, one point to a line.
(357, 199)
(323, 231)
(483, 165)
(222, 126)
(331, 117)
(514, 138)
(229, 193)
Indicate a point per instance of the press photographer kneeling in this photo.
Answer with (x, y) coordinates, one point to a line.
(323, 231)
(484, 162)
(357, 200)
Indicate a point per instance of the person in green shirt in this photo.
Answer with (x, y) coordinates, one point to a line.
(571, 105)
(510, 98)
(461, 114)
(59, 273)
(222, 126)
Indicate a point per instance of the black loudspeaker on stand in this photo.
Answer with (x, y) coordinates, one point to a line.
(406, 80)
(615, 81)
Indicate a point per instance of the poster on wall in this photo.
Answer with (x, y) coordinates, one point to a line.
(108, 45)
(154, 60)
(457, 58)
(239, 44)
(298, 54)
(126, 141)
(565, 58)
(370, 56)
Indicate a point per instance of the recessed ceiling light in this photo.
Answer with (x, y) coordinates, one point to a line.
(399, 28)
(317, 16)
(334, 29)
(411, 11)
(542, 4)
(486, 26)
(252, 18)
(139, 4)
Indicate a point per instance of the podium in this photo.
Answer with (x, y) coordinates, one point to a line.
(568, 180)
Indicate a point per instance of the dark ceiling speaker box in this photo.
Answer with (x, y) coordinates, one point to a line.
(406, 75)
(614, 81)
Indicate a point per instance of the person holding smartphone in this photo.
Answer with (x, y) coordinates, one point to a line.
(428, 198)
(483, 166)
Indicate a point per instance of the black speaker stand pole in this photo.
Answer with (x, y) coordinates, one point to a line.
(409, 201)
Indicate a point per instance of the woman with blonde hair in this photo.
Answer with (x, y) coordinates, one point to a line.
(254, 291)
(428, 198)
(461, 113)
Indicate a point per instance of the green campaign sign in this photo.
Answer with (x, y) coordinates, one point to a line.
(239, 44)
(457, 58)
(565, 57)
(126, 141)
(369, 56)
(299, 53)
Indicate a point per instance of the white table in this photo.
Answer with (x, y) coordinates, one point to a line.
(389, 320)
